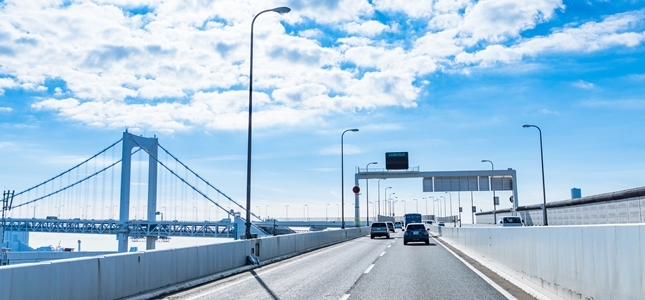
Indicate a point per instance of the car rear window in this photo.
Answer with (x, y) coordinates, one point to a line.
(416, 227)
(378, 224)
(512, 220)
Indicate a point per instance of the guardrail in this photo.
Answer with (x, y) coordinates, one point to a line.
(572, 262)
(123, 275)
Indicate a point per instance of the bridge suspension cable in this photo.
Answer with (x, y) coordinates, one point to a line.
(186, 182)
(207, 183)
(73, 184)
(67, 171)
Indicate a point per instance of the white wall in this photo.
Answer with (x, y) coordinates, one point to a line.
(128, 274)
(574, 262)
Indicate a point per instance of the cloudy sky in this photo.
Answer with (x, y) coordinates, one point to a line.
(449, 81)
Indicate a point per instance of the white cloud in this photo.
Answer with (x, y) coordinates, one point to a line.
(616, 104)
(335, 150)
(545, 111)
(500, 20)
(583, 84)
(186, 64)
(588, 37)
(5, 109)
(6, 145)
(412, 8)
(369, 28)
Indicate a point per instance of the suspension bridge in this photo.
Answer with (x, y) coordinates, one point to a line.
(139, 193)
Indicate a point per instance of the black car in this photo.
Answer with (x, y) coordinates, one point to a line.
(416, 232)
(379, 229)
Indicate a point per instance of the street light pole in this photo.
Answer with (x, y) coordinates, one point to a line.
(280, 10)
(367, 192)
(378, 203)
(544, 216)
(385, 199)
(426, 199)
(390, 197)
(444, 206)
(342, 177)
(492, 167)
(450, 203)
(326, 215)
(416, 203)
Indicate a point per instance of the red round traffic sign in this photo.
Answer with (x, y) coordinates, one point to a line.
(356, 189)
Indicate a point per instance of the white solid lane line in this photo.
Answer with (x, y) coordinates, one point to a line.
(369, 269)
(344, 297)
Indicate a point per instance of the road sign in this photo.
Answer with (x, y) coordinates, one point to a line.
(396, 160)
(356, 189)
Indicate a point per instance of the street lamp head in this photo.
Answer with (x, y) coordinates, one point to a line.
(484, 160)
(527, 126)
(373, 163)
(354, 130)
(282, 10)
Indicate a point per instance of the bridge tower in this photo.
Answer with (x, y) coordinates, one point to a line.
(150, 145)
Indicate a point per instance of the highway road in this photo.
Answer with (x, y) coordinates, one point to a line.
(358, 269)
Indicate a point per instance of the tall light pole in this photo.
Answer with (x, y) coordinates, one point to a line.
(492, 167)
(390, 206)
(544, 217)
(433, 208)
(280, 10)
(342, 177)
(426, 199)
(385, 199)
(367, 193)
(444, 206)
(378, 203)
(416, 203)
(405, 210)
(326, 215)
(450, 203)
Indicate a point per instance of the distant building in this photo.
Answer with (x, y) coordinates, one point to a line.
(17, 241)
(576, 193)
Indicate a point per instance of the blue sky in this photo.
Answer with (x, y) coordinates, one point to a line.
(450, 82)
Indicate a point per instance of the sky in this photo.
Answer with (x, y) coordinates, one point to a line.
(451, 82)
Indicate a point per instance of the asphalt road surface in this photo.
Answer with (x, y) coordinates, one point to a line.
(358, 269)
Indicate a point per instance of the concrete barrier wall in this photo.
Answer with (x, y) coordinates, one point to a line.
(38, 256)
(122, 275)
(573, 262)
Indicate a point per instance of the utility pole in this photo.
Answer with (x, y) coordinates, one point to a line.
(7, 202)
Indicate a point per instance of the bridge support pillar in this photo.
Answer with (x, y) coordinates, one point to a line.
(150, 145)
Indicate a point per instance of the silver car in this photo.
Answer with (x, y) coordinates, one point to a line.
(379, 229)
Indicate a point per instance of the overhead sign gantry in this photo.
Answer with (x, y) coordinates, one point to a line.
(447, 181)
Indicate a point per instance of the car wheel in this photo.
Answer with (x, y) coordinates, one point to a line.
(388, 236)
(371, 236)
(405, 243)
(427, 242)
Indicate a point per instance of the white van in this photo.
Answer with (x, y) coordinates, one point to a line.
(509, 221)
